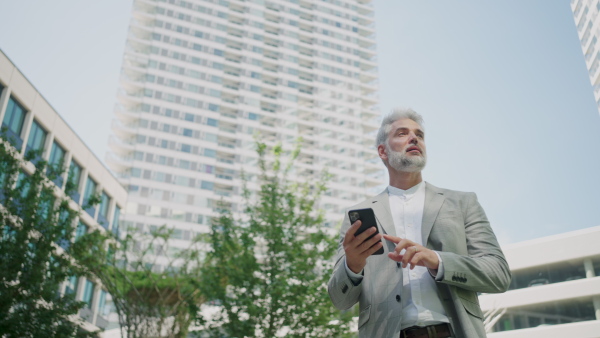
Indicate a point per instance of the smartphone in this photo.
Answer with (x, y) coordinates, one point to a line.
(367, 217)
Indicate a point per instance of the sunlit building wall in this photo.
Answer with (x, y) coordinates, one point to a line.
(587, 21)
(30, 123)
(201, 79)
(555, 289)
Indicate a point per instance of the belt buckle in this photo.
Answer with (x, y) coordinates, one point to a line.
(431, 331)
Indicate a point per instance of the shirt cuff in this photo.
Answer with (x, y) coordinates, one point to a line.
(356, 278)
(439, 274)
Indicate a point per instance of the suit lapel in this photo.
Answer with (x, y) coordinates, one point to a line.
(434, 199)
(381, 207)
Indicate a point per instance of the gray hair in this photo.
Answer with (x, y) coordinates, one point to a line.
(395, 115)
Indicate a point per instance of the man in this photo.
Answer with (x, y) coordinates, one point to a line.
(439, 250)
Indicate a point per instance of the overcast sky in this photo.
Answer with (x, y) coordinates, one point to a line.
(508, 106)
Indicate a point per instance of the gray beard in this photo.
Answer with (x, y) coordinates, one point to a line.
(401, 162)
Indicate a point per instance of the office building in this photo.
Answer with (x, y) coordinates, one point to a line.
(200, 79)
(31, 123)
(555, 288)
(587, 21)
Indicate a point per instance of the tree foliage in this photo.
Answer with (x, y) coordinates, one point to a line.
(267, 271)
(34, 224)
(150, 302)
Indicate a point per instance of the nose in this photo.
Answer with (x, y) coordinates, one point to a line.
(413, 139)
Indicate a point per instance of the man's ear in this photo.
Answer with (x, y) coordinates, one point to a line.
(382, 152)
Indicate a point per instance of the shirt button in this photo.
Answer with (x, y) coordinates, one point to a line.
(398, 298)
(398, 264)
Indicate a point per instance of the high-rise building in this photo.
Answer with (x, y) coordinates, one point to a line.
(200, 79)
(587, 20)
(30, 123)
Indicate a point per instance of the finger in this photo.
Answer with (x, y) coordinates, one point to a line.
(374, 248)
(363, 236)
(367, 244)
(392, 239)
(408, 255)
(395, 257)
(350, 233)
(403, 244)
(416, 259)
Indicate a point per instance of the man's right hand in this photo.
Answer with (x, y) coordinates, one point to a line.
(357, 249)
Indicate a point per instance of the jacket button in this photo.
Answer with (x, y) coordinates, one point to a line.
(398, 264)
(398, 298)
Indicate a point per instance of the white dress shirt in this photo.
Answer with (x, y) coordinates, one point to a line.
(421, 303)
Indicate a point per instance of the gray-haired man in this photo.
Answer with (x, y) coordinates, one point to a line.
(439, 250)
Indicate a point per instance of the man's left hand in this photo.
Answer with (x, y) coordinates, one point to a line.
(414, 255)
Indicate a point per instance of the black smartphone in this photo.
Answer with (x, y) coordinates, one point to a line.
(367, 217)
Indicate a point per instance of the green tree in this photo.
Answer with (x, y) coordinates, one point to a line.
(267, 272)
(36, 230)
(150, 301)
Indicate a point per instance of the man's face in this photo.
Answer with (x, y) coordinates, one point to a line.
(405, 149)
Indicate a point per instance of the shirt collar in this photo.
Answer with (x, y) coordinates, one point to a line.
(408, 193)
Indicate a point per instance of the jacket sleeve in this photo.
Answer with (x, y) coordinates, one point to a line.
(342, 291)
(484, 268)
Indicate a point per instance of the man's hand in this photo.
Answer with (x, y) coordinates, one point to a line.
(414, 255)
(357, 249)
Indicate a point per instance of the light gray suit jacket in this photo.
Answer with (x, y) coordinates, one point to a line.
(454, 225)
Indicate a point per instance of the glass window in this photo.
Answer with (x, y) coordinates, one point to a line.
(55, 163)
(57, 154)
(88, 293)
(103, 215)
(210, 153)
(71, 285)
(90, 189)
(560, 312)
(115, 224)
(548, 274)
(74, 178)
(23, 187)
(81, 230)
(104, 202)
(37, 137)
(13, 121)
(102, 308)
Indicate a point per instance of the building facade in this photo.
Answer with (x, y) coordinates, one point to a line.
(587, 21)
(202, 79)
(31, 123)
(555, 288)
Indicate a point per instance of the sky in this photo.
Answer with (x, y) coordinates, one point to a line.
(502, 85)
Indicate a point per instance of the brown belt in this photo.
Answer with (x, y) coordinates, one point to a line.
(431, 331)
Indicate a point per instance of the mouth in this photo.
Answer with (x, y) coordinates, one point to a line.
(413, 149)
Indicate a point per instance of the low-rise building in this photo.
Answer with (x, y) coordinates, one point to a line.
(30, 123)
(555, 288)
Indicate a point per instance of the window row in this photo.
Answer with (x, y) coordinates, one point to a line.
(554, 273)
(15, 129)
(263, 52)
(166, 213)
(219, 66)
(554, 313)
(177, 197)
(97, 301)
(309, 17)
